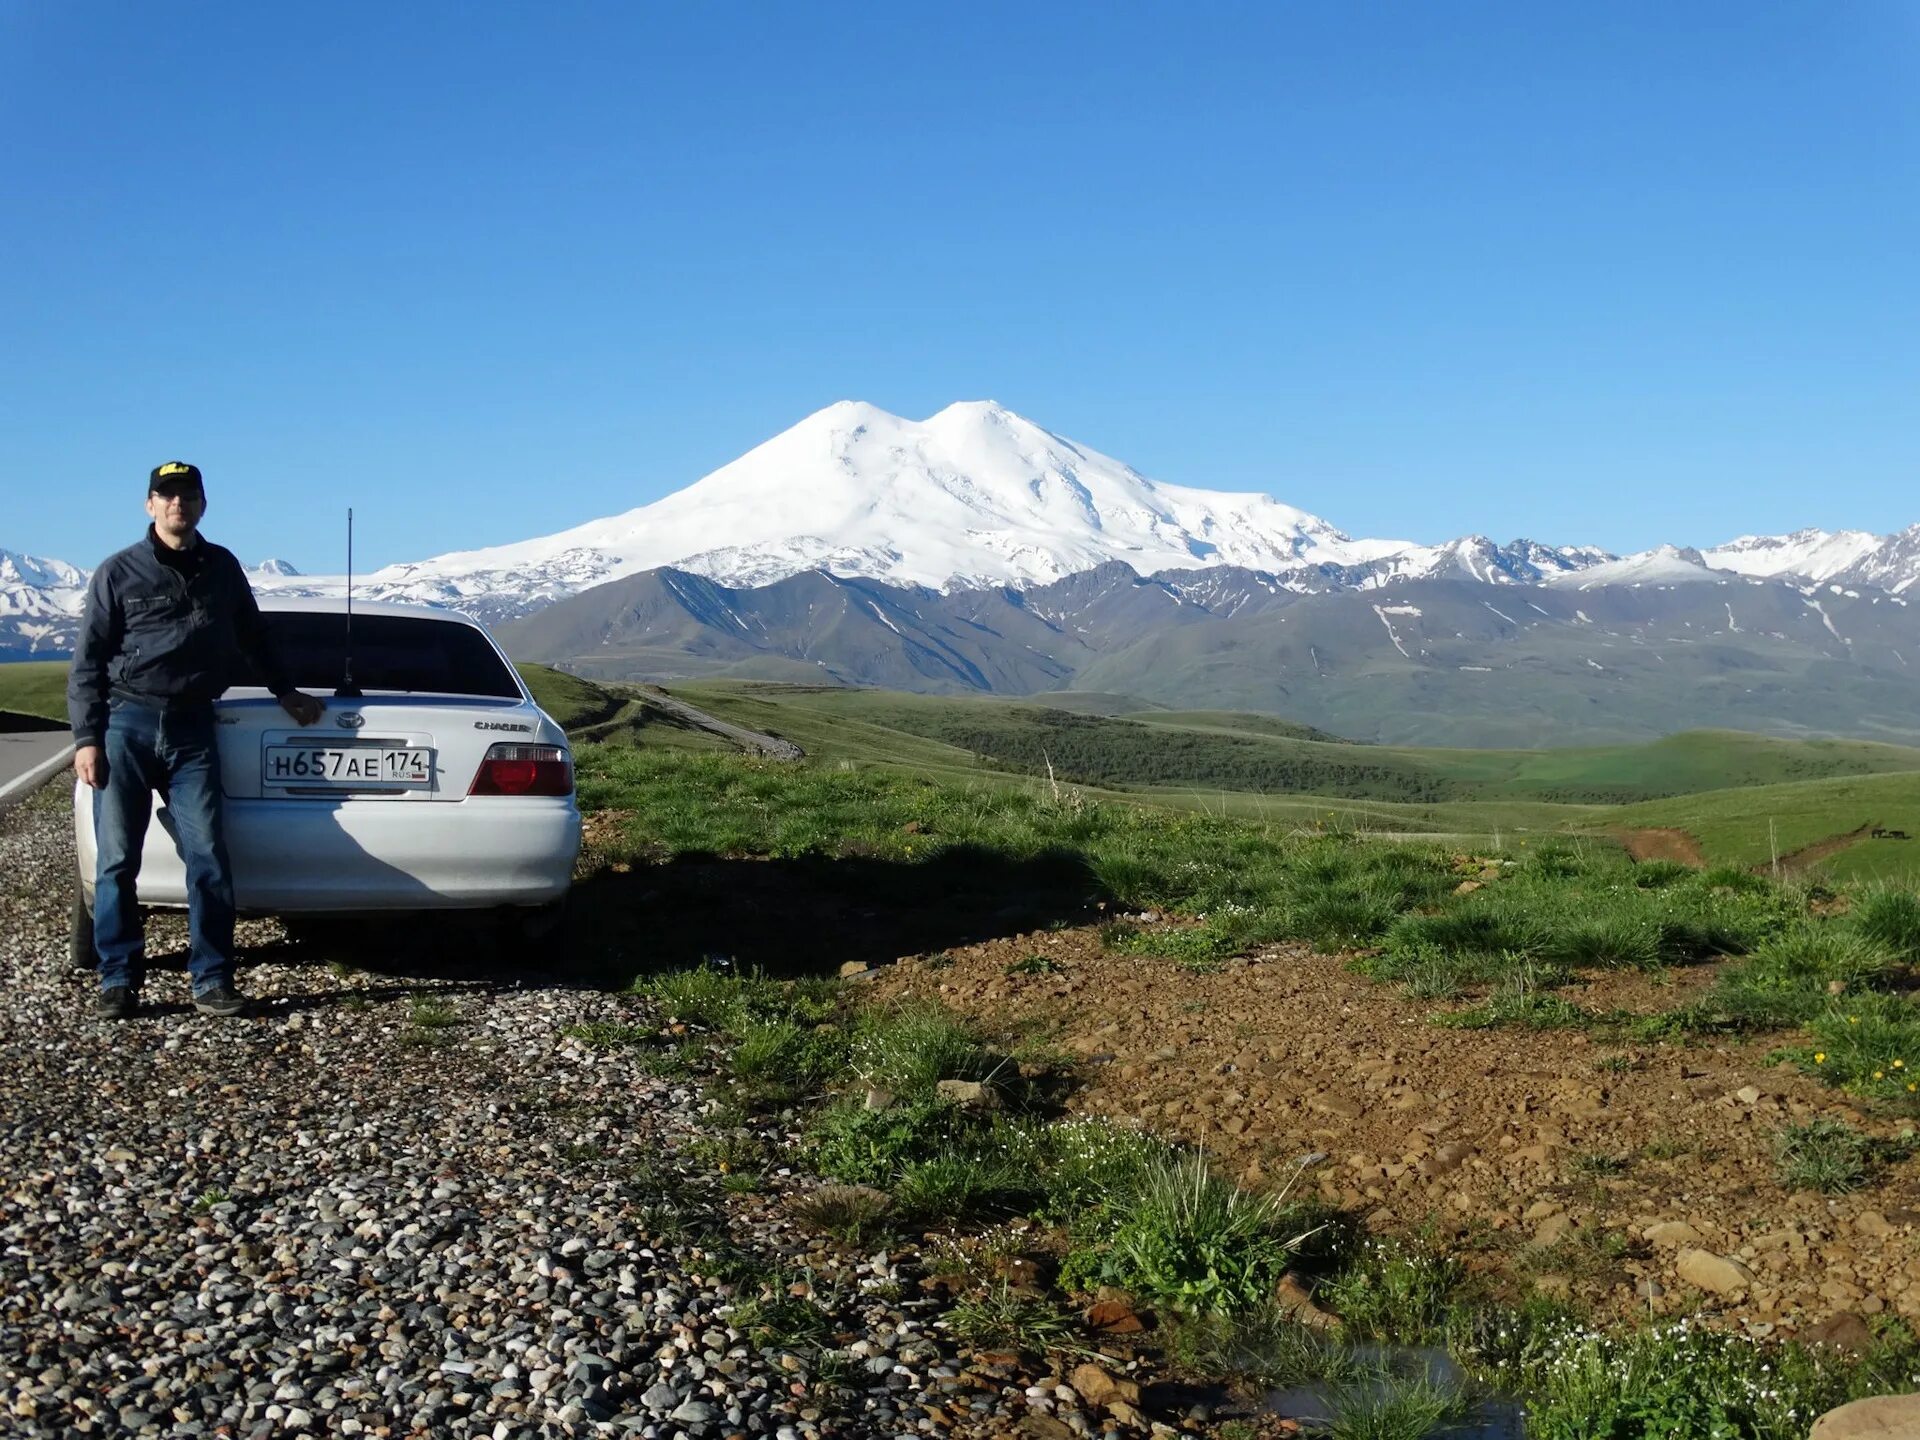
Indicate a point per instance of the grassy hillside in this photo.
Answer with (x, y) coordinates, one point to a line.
(35, 687)
(1265, 755)
(1748, 826)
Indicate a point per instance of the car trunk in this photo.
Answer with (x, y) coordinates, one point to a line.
(403, 749)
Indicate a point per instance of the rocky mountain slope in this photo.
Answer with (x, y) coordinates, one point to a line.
(1416, 661)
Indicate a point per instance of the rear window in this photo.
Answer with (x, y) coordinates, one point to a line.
(390, 652)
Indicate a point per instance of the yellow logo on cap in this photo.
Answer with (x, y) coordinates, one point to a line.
(174, 467)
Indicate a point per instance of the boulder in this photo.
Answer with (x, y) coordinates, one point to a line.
(1884, 1417)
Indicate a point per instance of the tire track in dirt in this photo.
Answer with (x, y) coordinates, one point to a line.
(1807, 856)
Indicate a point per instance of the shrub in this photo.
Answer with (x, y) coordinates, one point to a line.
(1825, 1155)
(1393, 1408)
(1263, 1347)
(782, 1062)
(1659, 874)
(1890, 917)
(911, 1046)
(853, 1213)
(1189, 1240)
(1868, 1043)
(1608, 942)
(961, 1186)
(1342, 919)
(1737, 879)
(1001, 1319)
(870, 1147)
(1396, 1291)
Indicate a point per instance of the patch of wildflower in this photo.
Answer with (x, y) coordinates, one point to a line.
(1865, 1048)
(1670, 1379)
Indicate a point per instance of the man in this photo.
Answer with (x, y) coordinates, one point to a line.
(165, 620)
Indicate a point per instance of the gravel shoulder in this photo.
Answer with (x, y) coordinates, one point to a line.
(399, 1201)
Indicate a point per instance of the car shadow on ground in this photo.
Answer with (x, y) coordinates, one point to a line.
(786, 917)
(812, 915)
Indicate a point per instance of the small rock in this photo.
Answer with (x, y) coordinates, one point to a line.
(1673, 1232)
(1095, 1386)
(1872, 1222)
(1844, 1331)
(1292, 1297)
(1114, 1317)
(968, 1094)
(852, 968)
(1718, 1274)
(1552, 1231)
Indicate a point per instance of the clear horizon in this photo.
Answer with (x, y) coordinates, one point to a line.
(1616, 278)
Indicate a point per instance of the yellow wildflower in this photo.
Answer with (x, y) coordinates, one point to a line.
(1820, 1058)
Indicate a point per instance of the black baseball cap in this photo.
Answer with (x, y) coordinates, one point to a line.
(175, 475)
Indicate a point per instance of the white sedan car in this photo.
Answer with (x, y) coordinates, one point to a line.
(441, 785)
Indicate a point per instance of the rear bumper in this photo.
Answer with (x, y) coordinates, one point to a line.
(347, 856)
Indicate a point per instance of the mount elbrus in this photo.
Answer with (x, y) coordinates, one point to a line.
(977, 551)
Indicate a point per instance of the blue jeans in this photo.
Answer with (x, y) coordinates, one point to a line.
(175, 753)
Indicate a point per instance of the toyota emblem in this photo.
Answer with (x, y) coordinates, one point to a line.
(350, 720)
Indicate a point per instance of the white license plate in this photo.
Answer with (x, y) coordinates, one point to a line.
(346, 766)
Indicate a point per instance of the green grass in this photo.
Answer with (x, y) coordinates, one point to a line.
(1556, 908)
(1265, 754)
(1136, 1212)
(1825, 1155)
(34, 687)
(1747, 826)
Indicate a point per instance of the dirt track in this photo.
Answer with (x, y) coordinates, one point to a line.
(1798, 862)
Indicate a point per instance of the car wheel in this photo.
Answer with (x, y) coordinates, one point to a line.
(542, 922)
(80, 952)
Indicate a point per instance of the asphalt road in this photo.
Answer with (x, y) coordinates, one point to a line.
(21, 754)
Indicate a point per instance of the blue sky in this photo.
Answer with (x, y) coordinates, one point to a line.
(1602, 274)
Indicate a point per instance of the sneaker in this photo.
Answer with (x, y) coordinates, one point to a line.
(221, 999)
(116, 1002)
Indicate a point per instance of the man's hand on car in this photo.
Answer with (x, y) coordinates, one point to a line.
(303, 707)
(90, 764)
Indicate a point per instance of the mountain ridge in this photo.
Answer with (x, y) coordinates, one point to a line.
(973, 497)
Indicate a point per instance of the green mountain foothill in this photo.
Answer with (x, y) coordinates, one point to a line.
(1429, 662)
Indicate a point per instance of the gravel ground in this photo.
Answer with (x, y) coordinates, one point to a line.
(383, 1205)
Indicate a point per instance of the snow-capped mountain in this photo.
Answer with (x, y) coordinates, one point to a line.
(976, 496)
(973, 496)
(40, 604)
(1812, 554)
(1662, 565)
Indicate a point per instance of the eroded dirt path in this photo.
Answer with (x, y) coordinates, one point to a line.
(1663, 844)
(1553, 1159)
(1800, 861)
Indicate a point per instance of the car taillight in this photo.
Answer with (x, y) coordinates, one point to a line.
(524, 770)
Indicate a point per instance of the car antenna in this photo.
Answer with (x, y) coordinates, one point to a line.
(348, 690)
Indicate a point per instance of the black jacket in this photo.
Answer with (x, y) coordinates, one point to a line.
(165, 632)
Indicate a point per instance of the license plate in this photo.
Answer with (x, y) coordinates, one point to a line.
(346, 766)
